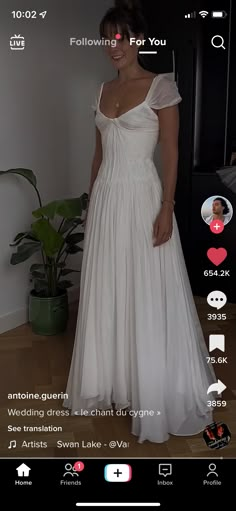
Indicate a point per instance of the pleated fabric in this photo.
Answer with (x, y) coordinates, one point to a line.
(138, 343)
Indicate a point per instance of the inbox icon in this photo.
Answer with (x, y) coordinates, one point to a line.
(165, 469)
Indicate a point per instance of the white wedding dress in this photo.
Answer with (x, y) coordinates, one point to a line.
(138, 341)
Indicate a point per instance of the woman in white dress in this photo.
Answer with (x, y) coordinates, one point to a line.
(138, 343)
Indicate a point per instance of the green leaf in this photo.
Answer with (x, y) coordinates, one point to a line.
(38, 275)
(22, 235)
(36, 266)
(61, 265)
(29, 244)
(68, 224)
(66, 208)
(68, 270)
(26, 251)
(73, 249)
(49, 237)
(76, 237)
(26, 173)
(84, 199)
(64, 284)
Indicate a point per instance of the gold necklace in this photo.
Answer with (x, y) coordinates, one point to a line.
(117, 104)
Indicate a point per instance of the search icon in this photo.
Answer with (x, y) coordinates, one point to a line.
(219, 37)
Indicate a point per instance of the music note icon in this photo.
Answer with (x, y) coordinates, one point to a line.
(12, 444)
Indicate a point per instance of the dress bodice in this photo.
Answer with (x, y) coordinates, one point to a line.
(130, 139)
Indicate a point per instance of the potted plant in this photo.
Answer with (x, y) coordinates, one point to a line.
(48, 300)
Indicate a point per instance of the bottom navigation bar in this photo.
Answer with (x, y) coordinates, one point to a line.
(107, 483)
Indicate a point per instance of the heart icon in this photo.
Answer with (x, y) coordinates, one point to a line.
(217, 255)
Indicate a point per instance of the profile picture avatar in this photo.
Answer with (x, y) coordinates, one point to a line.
(217, 208)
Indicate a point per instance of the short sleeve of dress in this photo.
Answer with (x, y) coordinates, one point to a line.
(164, 93)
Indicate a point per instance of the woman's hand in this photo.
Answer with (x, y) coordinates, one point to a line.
(163, 225)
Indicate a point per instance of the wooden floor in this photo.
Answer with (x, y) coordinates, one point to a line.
(40, 364)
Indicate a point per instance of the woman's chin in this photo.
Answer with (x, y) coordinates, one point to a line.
(118, 64)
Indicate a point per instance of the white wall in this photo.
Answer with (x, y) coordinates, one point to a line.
(45, 124)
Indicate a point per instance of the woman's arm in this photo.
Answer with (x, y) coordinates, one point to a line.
(169, 134)
(97, 160)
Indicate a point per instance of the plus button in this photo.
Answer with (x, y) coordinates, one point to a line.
(117, 473)
(216, 226)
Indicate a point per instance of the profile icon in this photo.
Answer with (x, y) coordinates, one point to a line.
(217, 208)
(212, 468)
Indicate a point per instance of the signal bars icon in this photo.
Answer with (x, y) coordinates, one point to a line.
(191, 15)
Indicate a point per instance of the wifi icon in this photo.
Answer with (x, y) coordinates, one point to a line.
(203, 14)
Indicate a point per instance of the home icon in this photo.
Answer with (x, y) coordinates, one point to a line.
(23, 470)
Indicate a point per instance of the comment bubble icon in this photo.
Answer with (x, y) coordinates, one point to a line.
(217, 299)
(165, 469)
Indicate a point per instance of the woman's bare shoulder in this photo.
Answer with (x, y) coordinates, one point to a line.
(110, 84)
(149, 74)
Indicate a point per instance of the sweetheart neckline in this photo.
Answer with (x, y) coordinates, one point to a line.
(130, 110)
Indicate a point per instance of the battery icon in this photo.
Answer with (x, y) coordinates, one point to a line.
(218, 14)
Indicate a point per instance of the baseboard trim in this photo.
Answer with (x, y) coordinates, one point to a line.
(20, 317)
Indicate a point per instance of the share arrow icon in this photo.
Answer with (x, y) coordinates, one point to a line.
(217, 387)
